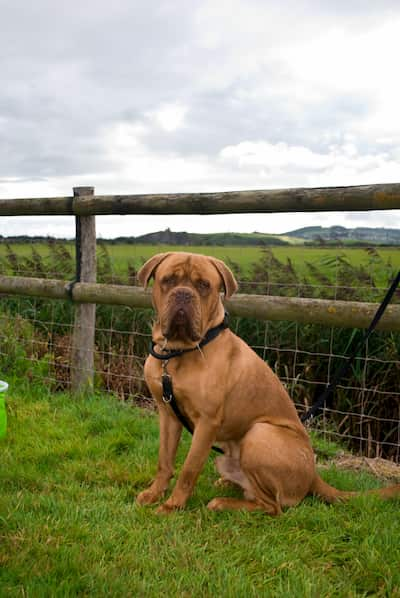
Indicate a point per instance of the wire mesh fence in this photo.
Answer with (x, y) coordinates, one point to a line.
(35, 335)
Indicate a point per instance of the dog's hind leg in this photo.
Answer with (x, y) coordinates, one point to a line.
(231, 472)
(230, 504)
(279, 465)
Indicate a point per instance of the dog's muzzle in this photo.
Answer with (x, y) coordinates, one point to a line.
(181, 321)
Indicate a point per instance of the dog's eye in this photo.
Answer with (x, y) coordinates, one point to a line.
(203, 285)
(169, 280)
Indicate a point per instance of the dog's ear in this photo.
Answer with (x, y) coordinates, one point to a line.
(147, 270)
(230, 284)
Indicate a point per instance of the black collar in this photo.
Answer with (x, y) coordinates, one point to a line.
(210, 336)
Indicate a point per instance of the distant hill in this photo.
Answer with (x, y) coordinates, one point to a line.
(335, 234)
(168, 237)
(310, 235)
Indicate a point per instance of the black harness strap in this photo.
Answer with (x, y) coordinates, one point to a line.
(168, 391)
(69, 287)
(169, 398)
(326, 395)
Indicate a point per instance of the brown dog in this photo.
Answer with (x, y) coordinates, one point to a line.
(229, 395)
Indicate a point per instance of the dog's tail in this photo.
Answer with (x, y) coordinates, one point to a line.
(330, 494)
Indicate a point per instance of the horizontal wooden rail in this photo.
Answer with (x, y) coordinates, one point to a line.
(324, 199)
(341, 314)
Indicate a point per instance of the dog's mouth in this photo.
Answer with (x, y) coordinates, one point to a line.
(180, 325)
(180, 318)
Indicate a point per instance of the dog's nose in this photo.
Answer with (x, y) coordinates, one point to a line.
(183, 296)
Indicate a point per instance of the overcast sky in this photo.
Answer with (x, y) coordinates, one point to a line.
(190, 95)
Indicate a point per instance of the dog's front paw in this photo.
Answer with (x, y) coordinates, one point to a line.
(168, 507)
(147, 497)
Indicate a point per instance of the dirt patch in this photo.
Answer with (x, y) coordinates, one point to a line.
(380, 468)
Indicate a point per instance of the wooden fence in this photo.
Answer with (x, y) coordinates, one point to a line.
(84, 291)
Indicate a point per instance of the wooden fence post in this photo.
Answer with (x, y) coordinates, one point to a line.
(82, 352)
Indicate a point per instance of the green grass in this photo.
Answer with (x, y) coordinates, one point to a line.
(123, 254)
(245, 256)
(69, 524)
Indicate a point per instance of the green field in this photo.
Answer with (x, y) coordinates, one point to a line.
(123, 254)
(245, 256)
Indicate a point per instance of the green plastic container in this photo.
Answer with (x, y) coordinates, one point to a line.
(3, 413)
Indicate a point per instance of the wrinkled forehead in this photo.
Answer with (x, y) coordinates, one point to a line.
(191, 266)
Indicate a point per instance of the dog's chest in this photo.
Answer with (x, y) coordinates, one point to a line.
(191, 385)
(187, 389)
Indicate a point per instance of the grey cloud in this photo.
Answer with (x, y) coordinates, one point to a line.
(70, 70)
(215, 120)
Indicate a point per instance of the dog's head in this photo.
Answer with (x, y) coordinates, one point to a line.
(186, 294)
